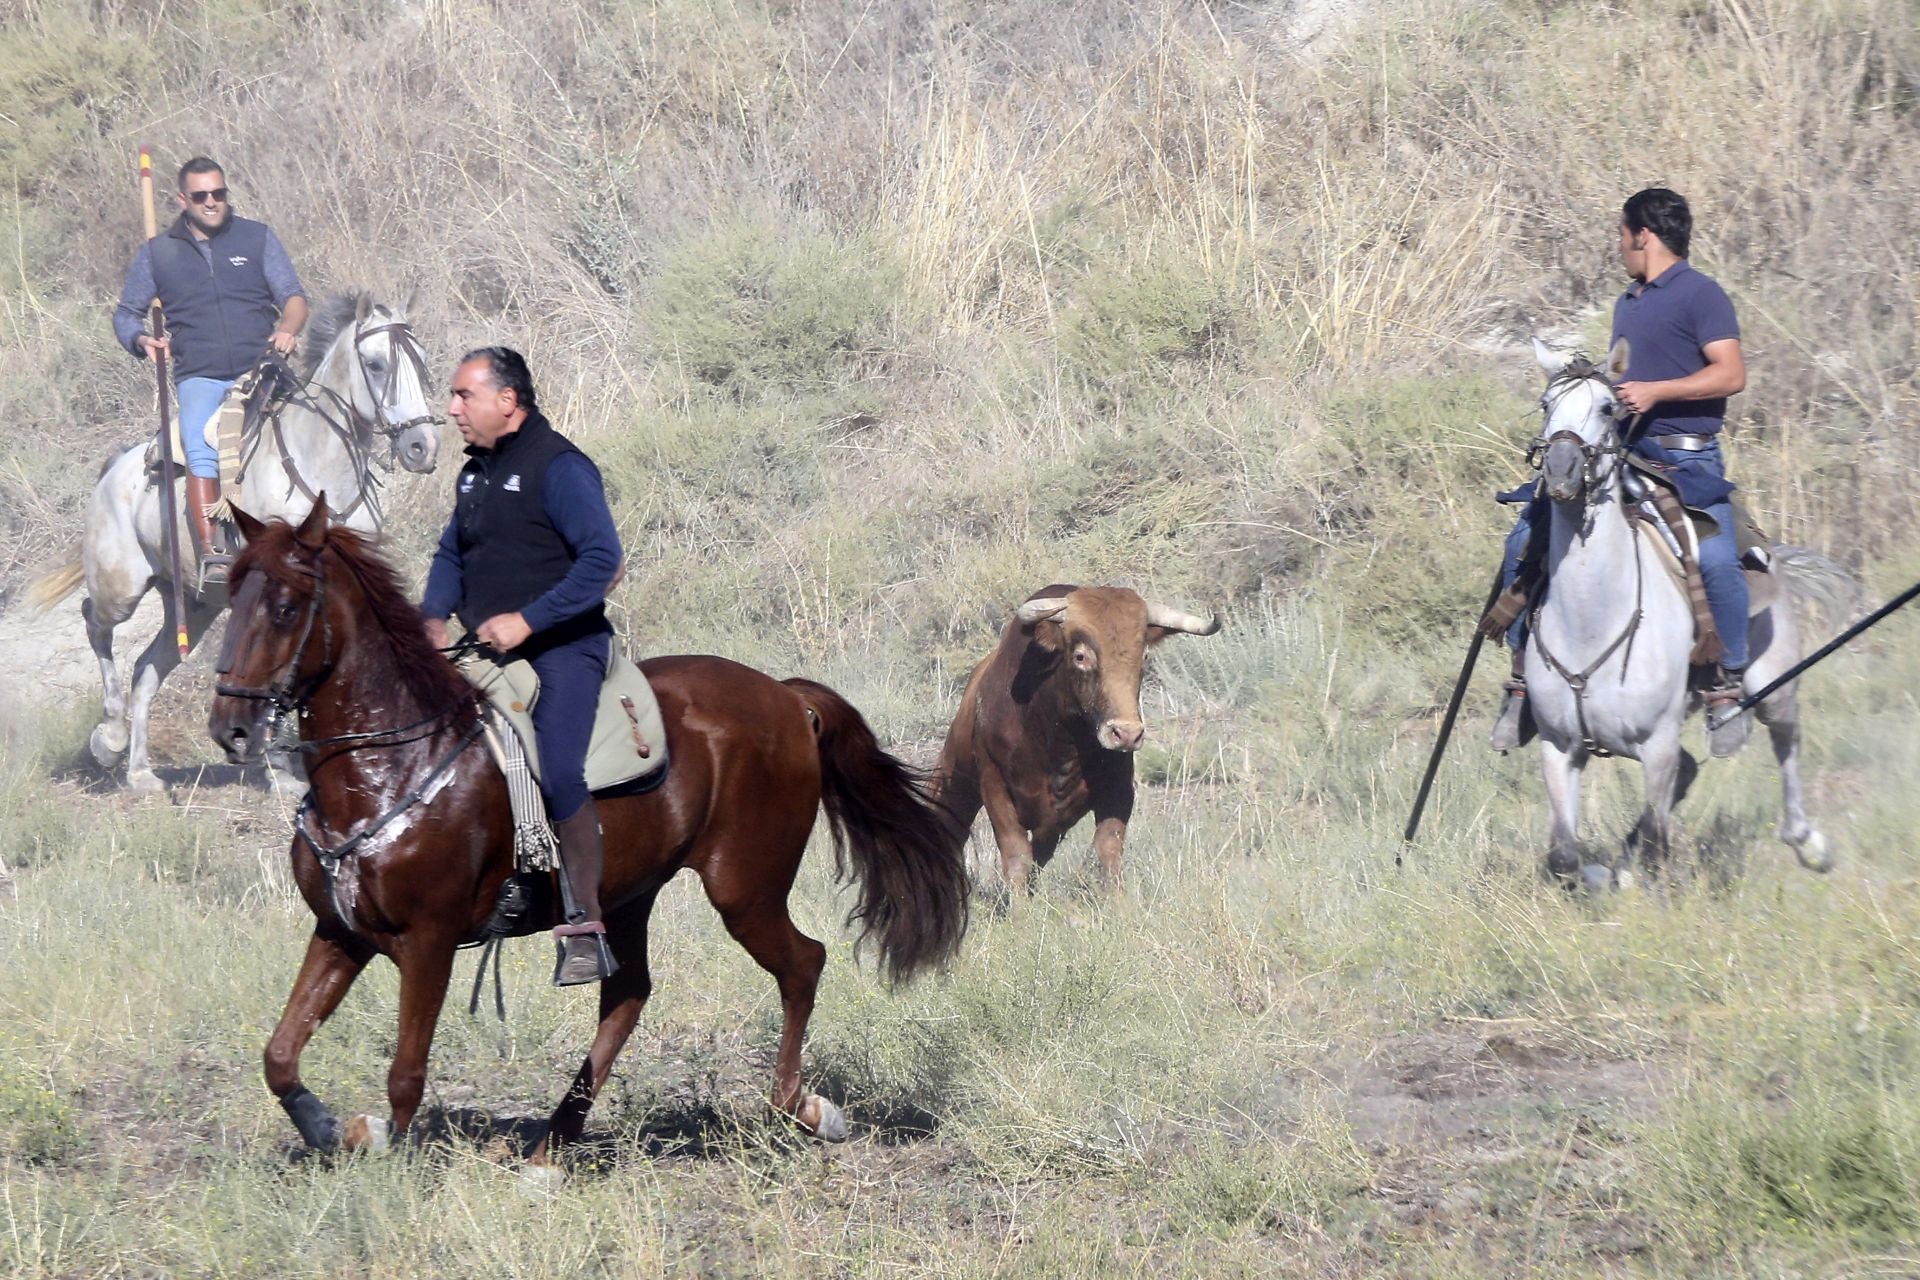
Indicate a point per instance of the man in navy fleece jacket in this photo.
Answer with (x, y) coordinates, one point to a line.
(526, 563)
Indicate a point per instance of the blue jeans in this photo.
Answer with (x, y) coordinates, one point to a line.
(570, 678)
(1719, 568)
(199, 400)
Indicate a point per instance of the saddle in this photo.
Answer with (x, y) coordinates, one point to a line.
(1684, 528)
(629, 743)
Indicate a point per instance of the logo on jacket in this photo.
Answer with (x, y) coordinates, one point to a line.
(513, 483)
(238, 260)
(466, 483)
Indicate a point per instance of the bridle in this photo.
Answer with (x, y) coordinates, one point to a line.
(344, 418)
(282, 691)
(1582, 370)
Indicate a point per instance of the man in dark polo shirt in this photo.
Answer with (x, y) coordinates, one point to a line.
(526, 562)
(229, 292)
(1683, 361)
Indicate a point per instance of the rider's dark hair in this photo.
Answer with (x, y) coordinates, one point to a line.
(507, 370)
(199, 164)
(1662, 212)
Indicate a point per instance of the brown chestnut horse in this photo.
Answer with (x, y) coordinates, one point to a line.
(407, 836)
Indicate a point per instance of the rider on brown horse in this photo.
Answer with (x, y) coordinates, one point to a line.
(526, 562)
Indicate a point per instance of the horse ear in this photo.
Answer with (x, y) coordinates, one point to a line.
(1617, 361)
(312, 533)
(362, 308)
(250, 529)
(1548, 360)
(413, 296)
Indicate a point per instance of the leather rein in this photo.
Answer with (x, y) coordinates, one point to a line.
(341, 417)
(287, 698)
(1580, 370)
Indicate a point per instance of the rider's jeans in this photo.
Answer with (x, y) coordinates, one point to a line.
(1719, 567)
(199, 400)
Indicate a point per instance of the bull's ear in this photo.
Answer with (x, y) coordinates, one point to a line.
(1040, 620)
(312, 533)
(250, 529)
(1048, 635)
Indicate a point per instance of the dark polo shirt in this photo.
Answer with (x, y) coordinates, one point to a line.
(1666, 322)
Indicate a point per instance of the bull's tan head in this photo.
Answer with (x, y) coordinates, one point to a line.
(1101, 636)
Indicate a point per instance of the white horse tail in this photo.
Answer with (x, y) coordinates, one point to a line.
(50, 588)
(1816, 578)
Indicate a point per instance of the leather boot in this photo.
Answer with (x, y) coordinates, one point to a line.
(1515, 726)
(202, 493)
(584, 955)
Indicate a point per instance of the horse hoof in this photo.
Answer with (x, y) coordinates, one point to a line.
(829, 1123)
(1814, 854)
(1623, 880)
(144, 782)
(1596, 879)
(108, 744)
(542, 1181)
(365, 1133)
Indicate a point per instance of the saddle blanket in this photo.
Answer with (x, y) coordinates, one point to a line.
(629, 737)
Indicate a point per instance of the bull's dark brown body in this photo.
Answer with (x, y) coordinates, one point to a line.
(1049, 722)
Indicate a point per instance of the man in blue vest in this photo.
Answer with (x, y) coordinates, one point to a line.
(1683, 361)
(526, 562)
(229, 292)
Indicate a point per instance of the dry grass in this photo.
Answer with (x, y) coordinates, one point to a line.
(878, 316)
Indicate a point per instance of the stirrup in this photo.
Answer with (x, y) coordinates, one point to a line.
(1725, 740)
(213, 570)
(582, 954)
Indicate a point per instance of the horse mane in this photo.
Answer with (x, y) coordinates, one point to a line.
(416, 665)
(335, 313)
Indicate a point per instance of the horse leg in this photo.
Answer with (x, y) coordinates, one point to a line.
(325, 975)
(1781, 715)
(108, 742)
(1668, 770)
(1562, 772)
(426, 962)
(760, 923)
(155, 664)
(623, 997)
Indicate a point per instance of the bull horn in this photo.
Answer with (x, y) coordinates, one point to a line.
(1158, 615)
(1042, 610)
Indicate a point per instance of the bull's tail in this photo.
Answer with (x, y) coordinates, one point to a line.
(50, 588)
(910, 869)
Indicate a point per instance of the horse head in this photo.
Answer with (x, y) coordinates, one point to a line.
(390, 391)
(1580, 442)
(281, 637)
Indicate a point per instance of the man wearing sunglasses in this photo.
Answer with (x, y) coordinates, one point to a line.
(229, 292)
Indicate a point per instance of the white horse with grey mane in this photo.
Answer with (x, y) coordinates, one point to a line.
(365, 383)
(1608, 652)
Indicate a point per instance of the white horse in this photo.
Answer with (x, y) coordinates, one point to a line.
(1608, 654)
(366, 378)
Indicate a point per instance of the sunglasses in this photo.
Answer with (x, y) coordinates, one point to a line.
(216, 196)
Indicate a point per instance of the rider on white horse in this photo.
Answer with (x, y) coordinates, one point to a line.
(229, 292)
(1684, 360)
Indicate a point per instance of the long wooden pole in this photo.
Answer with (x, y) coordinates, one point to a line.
(169, 516)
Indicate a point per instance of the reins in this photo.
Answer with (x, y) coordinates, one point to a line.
(1580, 370)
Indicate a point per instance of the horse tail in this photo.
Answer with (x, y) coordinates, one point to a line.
(50, 588)
(1815, 578)
(910, 868)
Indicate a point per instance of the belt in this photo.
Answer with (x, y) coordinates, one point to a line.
(1687, 444)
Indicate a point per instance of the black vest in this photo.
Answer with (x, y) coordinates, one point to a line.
(219, 315)
(510, 553)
